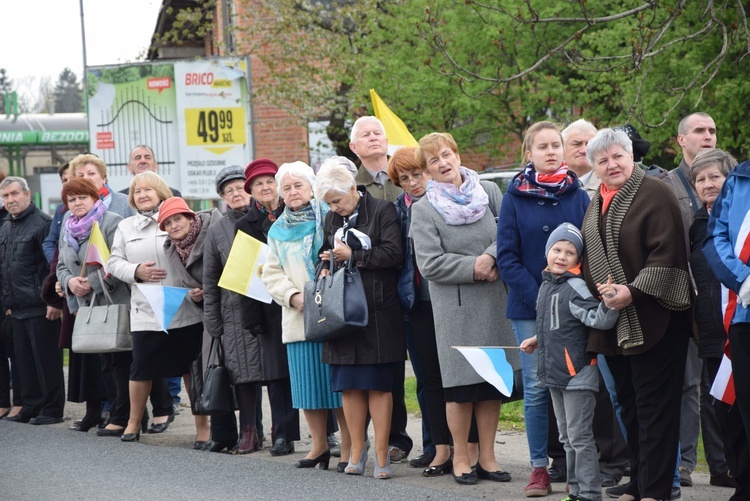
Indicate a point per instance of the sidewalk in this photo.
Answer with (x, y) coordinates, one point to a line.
(510, 449)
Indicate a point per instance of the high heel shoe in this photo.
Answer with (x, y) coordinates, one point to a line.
(247, 442)
(495, 476)
(359, 468)
(341, 466)
(385, 472)
(87, 423)
(439, 470)
(218, 446)
(131, 437)
(323, 460)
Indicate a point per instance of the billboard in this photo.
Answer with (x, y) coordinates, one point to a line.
(194, 114)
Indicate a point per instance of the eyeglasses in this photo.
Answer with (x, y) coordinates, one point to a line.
(415, 176)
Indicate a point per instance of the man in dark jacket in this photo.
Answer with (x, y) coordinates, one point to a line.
(36, 326)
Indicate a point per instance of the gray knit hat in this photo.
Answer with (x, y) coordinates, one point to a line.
(228, 174)
(569, 233)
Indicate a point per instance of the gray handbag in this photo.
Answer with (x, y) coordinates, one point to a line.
(335, 304)
(102, 329)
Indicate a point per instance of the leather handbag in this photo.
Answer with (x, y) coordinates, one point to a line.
(217, 396)
(102, 329)
(335, 304)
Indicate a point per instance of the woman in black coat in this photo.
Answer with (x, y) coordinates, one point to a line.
(264, 320)
(364, 363)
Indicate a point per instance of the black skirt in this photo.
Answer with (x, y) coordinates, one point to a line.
(157, 354)
(472, 393)
(376, 377)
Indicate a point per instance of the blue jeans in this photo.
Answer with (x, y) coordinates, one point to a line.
(534, 398)
(175, 386)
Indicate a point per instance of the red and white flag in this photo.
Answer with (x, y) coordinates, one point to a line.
(723, 387)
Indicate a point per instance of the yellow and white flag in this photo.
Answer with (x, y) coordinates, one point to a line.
(395, 130)
(244, 267)
(97, 252)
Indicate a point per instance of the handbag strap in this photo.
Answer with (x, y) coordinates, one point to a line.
(217, 349)
(104, 288)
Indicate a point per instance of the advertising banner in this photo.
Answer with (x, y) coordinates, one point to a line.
(194, 115)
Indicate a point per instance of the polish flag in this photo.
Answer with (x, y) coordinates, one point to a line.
(723, 387)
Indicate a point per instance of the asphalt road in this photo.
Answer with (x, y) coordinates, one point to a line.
(54, 463)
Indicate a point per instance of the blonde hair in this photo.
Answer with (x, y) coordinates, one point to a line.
(150, 180)
(532, 131)
(88, 158)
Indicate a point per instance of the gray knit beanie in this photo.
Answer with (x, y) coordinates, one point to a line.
(569, 233)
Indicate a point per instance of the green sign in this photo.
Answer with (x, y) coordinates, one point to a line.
(28, 137)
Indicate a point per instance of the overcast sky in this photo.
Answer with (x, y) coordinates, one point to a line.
(41, 37)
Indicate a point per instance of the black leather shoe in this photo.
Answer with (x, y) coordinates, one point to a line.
(617, 491)
(495, 476)
(322, 460)
(422, 461)
(557, 474)
(39, 420)
(131, 437)
(724, 480)
(214, 446)
(341, 467)
(466, 478)
(161, 427)
(18, 418)
(281, 447)
(439, 470)
(104, 432)
(200, 445)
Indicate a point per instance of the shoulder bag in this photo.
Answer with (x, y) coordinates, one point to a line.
(102, 329)
(217, 396)
(335, 305)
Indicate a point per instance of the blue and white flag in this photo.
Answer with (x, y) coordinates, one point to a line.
(164, 301)
(491, 364)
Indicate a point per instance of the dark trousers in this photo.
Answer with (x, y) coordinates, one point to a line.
(424, 359)
(40, 366)
(649, 388)
(739, 414)
(713, 418)
(284, 418)
(116, 368)
(398, 436)
(224, 428)
(8, 367)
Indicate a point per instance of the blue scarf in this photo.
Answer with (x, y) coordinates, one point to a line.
(305, 224)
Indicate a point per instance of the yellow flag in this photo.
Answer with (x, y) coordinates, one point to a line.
(395, 130)
(242, 273)
(98, 252)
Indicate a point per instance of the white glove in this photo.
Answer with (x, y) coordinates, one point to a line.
(744, 294)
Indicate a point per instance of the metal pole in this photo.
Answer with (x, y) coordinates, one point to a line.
(83, 43)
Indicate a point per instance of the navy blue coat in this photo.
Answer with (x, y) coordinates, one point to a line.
(525, 223)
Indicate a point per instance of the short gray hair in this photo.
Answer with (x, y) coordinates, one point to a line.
(708, 158)
(355, 127)
(13, 179)
(333, 176)
(581, 125)
(296, 170)
(605, 139)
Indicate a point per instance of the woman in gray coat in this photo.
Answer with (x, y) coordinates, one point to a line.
(84, 208)
(223, 319)
(454, 231)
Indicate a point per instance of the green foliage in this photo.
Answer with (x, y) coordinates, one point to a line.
(68, 93)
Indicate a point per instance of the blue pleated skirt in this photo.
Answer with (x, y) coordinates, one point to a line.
(311, 378)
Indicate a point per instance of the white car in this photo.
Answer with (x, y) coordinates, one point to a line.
(501, 178)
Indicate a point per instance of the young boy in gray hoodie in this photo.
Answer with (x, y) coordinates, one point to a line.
(565, 308)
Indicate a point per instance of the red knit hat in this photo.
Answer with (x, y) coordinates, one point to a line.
(170, 207)
(259, 167)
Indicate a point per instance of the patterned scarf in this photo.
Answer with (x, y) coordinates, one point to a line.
(79, 229)
(270, 215)
(461, 205)
(545, 185)
(305, 224)
(105, 195)
(184, 246)
(669, 286)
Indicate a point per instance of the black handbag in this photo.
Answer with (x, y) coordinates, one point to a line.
(335, 304)
(217, 395)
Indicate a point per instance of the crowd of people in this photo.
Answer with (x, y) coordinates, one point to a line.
(623, 285)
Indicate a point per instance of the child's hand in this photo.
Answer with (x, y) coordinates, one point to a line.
(529, 345)
(607, 290)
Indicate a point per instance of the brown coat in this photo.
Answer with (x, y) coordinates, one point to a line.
(382, 341)
(651, 235)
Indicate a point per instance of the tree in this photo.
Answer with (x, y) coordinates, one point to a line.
(6, 85)
(68, 95)
(616, 62)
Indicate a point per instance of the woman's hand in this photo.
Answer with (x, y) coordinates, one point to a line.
(58, 289)
(341, 252)
(529, 345)
(483, 267)
(621, 299)
(79, 286)
(298, 301)
(196, 295)
(146, 272)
